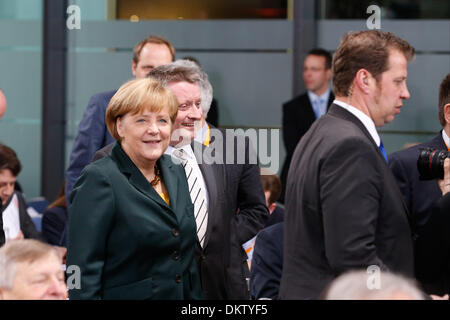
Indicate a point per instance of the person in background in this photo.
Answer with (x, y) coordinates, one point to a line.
(2, 103)
(357, 285)
(301, 112)
(432, 261)
(132, 229)
(17, 224)
(31, 270)
(54, 221)
(272, 190)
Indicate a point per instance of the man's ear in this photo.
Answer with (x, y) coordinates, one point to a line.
(133, 67)
(362, 80)
(447, 113)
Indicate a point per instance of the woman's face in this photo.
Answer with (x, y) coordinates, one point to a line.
(145, 136)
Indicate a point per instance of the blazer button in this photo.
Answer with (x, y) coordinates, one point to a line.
(177, 278)
(175, 255)
(175, 232)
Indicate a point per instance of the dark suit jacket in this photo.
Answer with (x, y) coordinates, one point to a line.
(27, 225)
(92, 135)
(434, 251)
(54, 221)
(231, 188)
(432, 257)
(128, 243)
(343, 209)
(267, 262)
(275, 217)
(298, 116)
(237, 213)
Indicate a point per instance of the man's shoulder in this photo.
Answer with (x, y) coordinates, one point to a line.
(273, 234)
(410, 154)
(296, 101)
(103, 96)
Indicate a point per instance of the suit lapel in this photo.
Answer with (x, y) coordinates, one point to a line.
(209, 173)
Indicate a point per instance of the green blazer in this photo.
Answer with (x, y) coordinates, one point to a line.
(127, 242)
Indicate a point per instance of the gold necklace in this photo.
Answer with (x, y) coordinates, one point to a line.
(156, 179)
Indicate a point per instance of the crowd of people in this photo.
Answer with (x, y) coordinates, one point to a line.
(157, 203)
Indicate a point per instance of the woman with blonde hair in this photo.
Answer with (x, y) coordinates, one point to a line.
(132, 230)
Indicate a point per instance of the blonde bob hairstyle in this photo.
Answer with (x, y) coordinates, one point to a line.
(136, 96)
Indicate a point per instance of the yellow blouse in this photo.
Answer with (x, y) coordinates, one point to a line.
(165, 197)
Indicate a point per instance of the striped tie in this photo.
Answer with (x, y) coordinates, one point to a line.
(197, 196)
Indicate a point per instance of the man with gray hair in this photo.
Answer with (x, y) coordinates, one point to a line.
(31, 270)
(229, 203)
(233, 192)
(361, 285)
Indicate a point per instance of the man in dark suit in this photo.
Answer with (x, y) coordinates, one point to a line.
(16, 223)
(233, 191)
(267, 262)
(300, 112)
(92, 132)
(236, 209)
(421, 196)
(343, 207)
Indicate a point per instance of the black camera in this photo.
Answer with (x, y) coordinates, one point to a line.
(431, 163)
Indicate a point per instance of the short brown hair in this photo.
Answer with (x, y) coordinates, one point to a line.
(322, 53)
(9, 160)
(138, 95)
(273, 184)
(16, 251)
(444, 98)
(152, 39)
(368, 50)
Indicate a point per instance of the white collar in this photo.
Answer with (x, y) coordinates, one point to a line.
(325, 96)
(446, 138)
(364, 118)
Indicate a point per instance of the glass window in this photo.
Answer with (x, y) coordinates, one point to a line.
(390, 9)
(201, 9)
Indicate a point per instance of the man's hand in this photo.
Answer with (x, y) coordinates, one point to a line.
(444, 184)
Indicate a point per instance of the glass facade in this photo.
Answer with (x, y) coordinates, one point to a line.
(21, 81)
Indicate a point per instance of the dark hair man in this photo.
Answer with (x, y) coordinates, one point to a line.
(300, 112)
(343, 207)
(431, 260)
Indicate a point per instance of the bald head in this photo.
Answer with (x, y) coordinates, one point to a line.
(2, 104)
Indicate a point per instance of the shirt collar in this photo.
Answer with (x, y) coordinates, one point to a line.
(325, 96)
(446, 138)
(365, 119)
